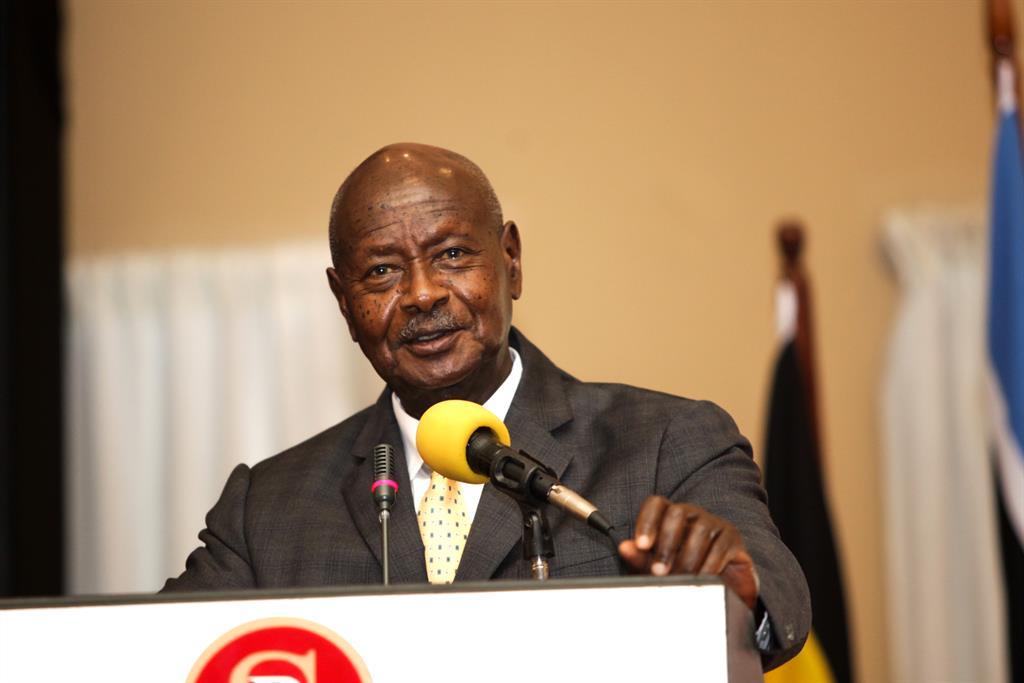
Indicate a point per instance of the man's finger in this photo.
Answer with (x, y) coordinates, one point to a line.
(719, 550)
(739, 575)
(701, 534)
(649, 520)
(636, 559)
(670, 536)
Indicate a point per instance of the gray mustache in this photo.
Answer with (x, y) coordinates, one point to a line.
(430, 323)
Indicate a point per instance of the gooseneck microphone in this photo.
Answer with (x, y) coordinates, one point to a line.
(465, 441)
(384, 490)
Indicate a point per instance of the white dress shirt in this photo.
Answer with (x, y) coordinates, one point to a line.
(419, 473)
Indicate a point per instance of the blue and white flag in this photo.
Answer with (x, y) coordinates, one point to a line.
(1006, 356)
(1006, 303)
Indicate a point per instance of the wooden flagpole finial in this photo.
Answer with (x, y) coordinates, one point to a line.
(1000, 28)
(791, 243)
(1002, 40)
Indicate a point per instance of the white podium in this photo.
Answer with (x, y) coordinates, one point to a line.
(624, 630)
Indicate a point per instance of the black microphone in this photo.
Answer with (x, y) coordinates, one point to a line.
(519, 474)
(384, 487)
(465, 441)
(384, 490)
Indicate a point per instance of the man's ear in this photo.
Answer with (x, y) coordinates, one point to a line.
(512, 251)
(334, 280)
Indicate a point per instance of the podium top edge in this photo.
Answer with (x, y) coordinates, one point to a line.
(344, 590)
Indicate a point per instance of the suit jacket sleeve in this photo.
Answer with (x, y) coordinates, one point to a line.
(222, 562)
(719, 474)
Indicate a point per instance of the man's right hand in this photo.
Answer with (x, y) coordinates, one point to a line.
(679, 538)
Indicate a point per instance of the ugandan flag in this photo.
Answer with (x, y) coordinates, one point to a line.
(796, 492)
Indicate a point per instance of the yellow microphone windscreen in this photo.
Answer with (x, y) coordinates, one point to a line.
(444, 432)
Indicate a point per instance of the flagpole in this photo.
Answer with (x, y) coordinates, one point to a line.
(794, 474)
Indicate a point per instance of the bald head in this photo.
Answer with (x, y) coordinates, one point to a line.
(406, 174)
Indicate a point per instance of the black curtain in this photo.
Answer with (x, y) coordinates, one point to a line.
(31, 260)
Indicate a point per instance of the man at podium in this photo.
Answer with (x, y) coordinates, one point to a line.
(425, 272)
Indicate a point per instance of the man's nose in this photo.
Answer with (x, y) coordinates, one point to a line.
(425, 288)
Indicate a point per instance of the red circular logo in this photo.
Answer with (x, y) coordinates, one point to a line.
(279, 651)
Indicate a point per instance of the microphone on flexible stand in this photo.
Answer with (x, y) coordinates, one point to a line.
(465, 441)
(384, 490)
(515, 471)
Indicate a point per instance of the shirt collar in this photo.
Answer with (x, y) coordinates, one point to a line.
(499, 403)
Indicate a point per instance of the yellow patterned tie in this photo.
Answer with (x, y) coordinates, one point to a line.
(444, 528)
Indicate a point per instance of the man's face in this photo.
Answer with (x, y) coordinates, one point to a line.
(426, 284)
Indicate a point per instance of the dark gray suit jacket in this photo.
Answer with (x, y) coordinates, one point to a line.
(305, 517)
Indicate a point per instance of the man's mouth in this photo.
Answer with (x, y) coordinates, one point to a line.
(429, 336)
(430, 342)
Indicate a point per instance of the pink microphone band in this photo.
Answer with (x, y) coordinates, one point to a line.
(380, 482)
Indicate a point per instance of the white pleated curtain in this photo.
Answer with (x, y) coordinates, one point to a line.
(179, 366)
(945, 595)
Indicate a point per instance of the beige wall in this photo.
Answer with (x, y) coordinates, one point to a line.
(646, 151)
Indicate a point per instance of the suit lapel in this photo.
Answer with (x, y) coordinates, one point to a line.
(406, 547)
(539, 406)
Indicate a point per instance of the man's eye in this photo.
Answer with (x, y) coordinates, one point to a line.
(453, 253)
(379, 270)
